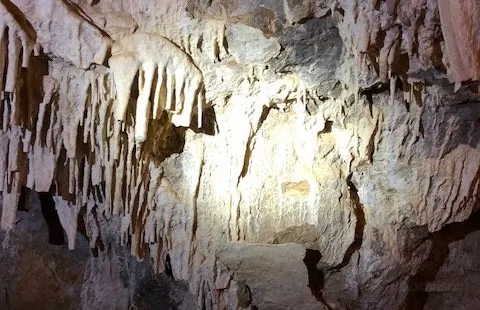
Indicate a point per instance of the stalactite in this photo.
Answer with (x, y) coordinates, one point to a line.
(15, 41)
(155, 58)
(92, 141)
(87, 143)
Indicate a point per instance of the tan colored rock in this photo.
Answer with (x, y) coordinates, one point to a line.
(338, 133)
(62, 29)
(262, 268)
(461, 30)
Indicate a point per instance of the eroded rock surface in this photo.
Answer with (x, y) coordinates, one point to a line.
(225, 140)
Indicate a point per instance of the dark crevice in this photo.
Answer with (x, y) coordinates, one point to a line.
(417, 295)
(316, 278)
(163, 139)
(421, 130)
(359, 225)
(340, 11)
(99, 245)
(200, 43)
(372, 90)
(168, 267)
(23, 199)
(7, 298)
(248, 151)
(246, 160)
(244, 295)
(55, 229)
(419, 21)
(263, 117)
(195, 213)
(4, 58)
(371, 143)
(108, 55)
(209, 122)
(225, 45)
(327, 128)
(82, 229)
(304, 19)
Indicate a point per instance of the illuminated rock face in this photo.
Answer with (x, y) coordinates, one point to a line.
(324, 137)
(155, 58)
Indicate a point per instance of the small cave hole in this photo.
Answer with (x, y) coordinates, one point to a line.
(327, 128)
(168, 267)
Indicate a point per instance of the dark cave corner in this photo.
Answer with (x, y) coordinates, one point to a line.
(316, 278)
(209, 122)
(161, 292)
(55, 229)
(417, 294)
(166, 139)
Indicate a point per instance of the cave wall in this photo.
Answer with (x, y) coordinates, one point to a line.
(45, 276)
(219, 132)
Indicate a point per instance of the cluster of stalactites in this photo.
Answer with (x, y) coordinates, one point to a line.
(379, 33)
(77, 150)
(15, 43)
(16, 47)
(163, 70)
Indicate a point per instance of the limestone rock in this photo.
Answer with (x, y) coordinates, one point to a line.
(313, 50)
(261, 153)
(249, 45)
(62, 29)
(275, 274)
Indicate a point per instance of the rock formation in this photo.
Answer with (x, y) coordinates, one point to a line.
(271, 154)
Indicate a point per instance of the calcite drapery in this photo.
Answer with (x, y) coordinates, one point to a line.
(17, 43)
(461, 31)
(177, 84)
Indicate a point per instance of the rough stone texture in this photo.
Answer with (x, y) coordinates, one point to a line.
(461, 33)
(38, 275)
(249, 45)
(457, 277)
(260, 266)
(313, 50)
(340, 139)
